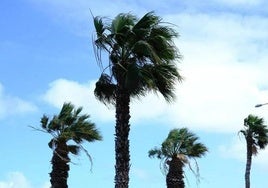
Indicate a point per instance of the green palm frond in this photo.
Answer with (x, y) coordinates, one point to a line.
(155, 153)
(161, 78)
(164, 32)
(105, 89)
(70, 125)
(99, 26)
(66, 112)
(181, 141)
(141, 51)
(197, 150)
(147, 22)
(181, 144)
(122, 23)
(54, 124)
(256, 131)
(44, 122)
(74, 149)
(85, 131)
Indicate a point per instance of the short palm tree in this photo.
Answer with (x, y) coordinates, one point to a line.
(176, 151)
(69, 125)
(256, 135)
(142, 58)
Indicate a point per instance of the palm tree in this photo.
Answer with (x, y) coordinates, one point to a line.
(176, 151)
(256, 135)
(142, 58)
(69, 125)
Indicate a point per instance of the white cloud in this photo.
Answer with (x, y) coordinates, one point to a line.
(15, 180)
(11, 105)
(223, 66)
(18, 180)
(236, 149)
(62, 90)
(239, 2)
(225, 58)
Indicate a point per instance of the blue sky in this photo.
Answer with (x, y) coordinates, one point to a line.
(46, 59)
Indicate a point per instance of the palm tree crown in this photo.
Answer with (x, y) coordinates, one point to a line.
(178, 149)
(67, 126)
(256, 132)
(141, 52)
(179, 142)
(70, 125)
(256, 135)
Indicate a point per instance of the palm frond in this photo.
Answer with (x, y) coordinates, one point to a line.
(99, 26)
(105, 89)
(143, 49)
(74, 149)
(255, 130)
(66, 111)
(162, 78)
(148, 21)
(155, 153)
(44, 122)
(69, 125)
(122, 23)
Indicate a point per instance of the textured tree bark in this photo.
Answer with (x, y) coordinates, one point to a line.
(122, 128)
(248, 165)
(60, 167)
(175, 176)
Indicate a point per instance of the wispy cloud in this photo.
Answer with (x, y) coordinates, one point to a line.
(236, 149)
(11, 105)
(18, 180)
(63, 90)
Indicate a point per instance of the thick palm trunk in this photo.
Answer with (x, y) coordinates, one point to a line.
(248, 165)
(122, 156)
(60, 167)
(175, 176)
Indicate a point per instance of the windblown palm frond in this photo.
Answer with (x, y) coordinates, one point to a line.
(255, 130)
(256, 136)
(142, 51)
(67, 126)
(180, 143)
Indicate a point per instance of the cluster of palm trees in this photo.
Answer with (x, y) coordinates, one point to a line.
(142, 59)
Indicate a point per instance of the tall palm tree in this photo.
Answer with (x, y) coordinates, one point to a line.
(256, 135)
(176, 151)
(69, 125)
(142, 58)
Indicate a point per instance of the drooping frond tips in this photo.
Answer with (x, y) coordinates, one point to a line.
(99, 26)
(105, 89)
(44, 122)
(155, 153)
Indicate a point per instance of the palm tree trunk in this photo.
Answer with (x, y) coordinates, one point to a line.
(248, 165)
(175, 176)
(122, 156)
(60, 167)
